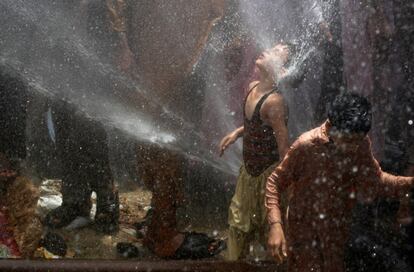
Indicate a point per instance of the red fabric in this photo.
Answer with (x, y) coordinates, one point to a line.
(6, 234)
(161, 172)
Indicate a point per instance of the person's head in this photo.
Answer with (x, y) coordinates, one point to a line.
(350, 118)
(271, 61)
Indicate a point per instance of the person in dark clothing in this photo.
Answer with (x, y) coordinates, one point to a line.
(13, 108)
(375, 243)
(81, 145)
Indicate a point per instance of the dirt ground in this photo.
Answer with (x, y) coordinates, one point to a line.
(86, 243)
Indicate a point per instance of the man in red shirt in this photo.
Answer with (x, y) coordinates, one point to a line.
(324, 173)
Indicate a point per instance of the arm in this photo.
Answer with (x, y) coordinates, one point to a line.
(275, 114)
(379, 182)
(116, 10)
(388, 185)
(230, 139)
(276, 184)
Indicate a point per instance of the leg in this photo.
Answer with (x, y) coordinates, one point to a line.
(13, 112)
(82, 148)
(243, 205)
(75, 186)
(99, 175)
(160, 170)
(237, 244)
(162, 173)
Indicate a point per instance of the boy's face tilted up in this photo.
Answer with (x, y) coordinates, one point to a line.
(273, 59)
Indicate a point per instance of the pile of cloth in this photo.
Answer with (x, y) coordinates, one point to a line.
(20, 226)
(8, 245)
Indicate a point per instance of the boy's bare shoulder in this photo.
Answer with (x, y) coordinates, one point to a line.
(274, 100)
(275, 97)
(253, 84)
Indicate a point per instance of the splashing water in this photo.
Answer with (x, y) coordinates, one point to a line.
(297, 22)
(42, 41)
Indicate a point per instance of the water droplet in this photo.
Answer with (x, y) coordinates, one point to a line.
(355, 169)
(322, 216)
(410, 122)
(352, 195)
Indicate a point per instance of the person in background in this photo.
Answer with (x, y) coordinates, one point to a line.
(137, 56)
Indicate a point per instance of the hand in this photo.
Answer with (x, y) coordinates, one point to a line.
(277, 243)
(227, 140)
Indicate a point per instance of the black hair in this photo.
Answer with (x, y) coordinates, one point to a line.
(293, 47)
(350, 113)
(294, 51)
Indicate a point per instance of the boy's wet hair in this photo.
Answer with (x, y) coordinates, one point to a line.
(350, 113)
(293, 48)
(293, 51)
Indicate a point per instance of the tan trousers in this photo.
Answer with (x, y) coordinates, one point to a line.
(247, 215)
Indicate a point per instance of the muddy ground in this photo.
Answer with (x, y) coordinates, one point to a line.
(86, 243)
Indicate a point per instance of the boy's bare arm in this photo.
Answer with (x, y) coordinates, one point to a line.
(274, 113)
(230, 139)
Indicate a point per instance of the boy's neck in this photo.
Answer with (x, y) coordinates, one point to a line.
(266, 84)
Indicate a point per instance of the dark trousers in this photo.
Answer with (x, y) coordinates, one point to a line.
(81, 145)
